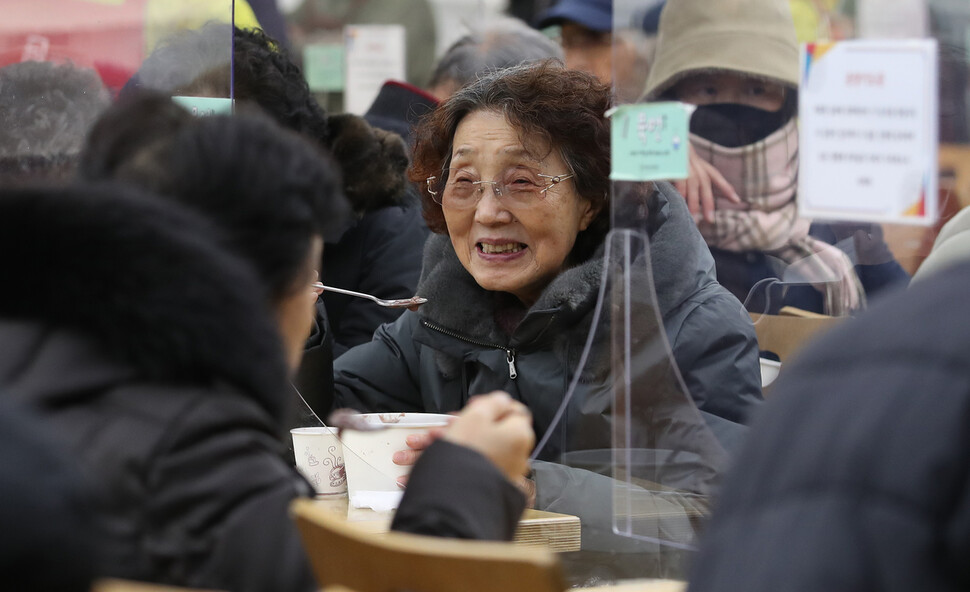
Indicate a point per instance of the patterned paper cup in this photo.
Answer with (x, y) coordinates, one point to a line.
(320, 458)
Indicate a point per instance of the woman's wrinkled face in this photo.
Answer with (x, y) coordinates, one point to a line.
(508, 247)
(726, 87)
(295, 312)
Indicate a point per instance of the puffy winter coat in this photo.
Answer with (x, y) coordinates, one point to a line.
(452, 347)
(855, 476)
(152, 356)
(380, 253)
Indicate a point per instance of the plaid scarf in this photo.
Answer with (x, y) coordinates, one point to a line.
(765, 175)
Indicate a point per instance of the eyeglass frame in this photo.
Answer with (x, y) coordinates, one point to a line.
(496, 188)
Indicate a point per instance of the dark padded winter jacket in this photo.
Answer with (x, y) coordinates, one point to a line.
(149, 352)
(452, 347)
(855, 476)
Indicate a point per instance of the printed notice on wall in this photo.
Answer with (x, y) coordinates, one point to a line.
(649, 141)
(868, 131)
(375, 54)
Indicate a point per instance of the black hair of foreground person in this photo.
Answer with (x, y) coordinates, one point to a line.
(243, 172)
(272, 193)
(153, 355)
(855, 477)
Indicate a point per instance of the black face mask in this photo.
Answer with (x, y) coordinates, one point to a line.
(732, 126)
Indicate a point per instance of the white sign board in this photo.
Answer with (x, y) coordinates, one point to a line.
(375, 54)
(868, 131)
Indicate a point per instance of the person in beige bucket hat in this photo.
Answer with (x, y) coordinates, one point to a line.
(753, 38)
(738, 62)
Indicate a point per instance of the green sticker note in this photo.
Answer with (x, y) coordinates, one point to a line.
(323, 64)
(205, 106)
(650, 141)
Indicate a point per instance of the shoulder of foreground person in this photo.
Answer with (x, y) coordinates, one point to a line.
(220, 497)
(456, 492)
(855, 473)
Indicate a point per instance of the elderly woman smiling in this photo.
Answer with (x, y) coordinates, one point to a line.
(516, 172)
(513, 234)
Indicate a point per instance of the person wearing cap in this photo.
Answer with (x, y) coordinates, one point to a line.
(590, 45)
(738, 63)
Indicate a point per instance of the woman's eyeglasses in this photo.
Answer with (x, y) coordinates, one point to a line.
(518, 187)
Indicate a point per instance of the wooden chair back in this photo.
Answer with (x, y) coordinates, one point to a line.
(342, 555)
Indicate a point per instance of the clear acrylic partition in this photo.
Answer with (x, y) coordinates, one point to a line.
(628, 451)
(57, 68)
(883, 253)
(665, 472)
(188, 49)
(801, 263)
(63, 61)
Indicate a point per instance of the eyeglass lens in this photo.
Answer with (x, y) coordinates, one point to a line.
(518, 186)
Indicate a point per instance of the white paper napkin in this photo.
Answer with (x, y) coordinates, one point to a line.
(380, 501)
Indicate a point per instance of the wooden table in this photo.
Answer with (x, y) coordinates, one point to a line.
(558, 532)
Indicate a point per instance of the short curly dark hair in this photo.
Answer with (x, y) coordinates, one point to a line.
(545, 102)
(265, 74)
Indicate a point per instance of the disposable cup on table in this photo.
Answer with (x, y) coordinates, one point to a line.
(320, 458)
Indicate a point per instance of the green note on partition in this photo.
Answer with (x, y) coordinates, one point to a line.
(205, 106)
(649, 142)
(323, 64)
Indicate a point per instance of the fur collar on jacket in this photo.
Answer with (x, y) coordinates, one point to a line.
(373, 162)
(681, 264)
(136, 280)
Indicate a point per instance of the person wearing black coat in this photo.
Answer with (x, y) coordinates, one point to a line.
(380, 251)
(150, 352)
(855, 475)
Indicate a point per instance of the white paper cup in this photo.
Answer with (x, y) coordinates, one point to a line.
(769, 371)
(320, 458)
(369, 455)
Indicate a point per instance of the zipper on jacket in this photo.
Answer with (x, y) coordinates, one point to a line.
(509, 352)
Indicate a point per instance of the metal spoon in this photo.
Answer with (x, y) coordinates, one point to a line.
(410, 303)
